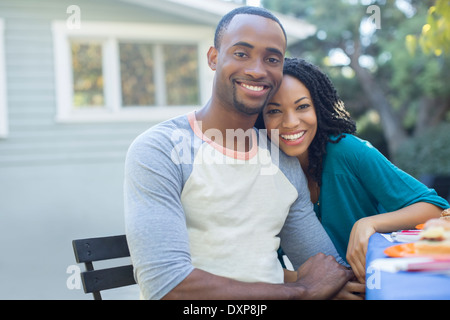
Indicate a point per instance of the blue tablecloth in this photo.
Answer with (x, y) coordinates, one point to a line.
(381, 285)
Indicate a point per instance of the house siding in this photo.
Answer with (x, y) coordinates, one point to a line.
(58, 181)
(34, 136)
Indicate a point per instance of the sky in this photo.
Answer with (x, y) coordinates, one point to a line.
(255, 3)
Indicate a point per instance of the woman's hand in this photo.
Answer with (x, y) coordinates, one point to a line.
(404, 218)
(353, 290)
(357, 247)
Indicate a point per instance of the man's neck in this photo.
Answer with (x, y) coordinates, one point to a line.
(237, 124)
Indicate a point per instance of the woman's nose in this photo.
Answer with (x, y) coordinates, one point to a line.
(290, 120)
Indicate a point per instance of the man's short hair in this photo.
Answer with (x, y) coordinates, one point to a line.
(225, 21)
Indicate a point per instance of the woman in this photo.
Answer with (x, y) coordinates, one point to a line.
(355, 189)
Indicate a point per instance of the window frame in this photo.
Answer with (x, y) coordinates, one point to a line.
(109, 34)
(4, 125)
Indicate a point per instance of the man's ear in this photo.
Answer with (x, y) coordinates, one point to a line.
(212, 58)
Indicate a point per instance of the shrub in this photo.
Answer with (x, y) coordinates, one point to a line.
(428, 153)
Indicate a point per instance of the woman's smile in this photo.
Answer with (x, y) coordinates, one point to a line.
(291, 111)
(293, 138)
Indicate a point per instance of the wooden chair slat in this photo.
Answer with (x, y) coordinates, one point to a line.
(98, 249)
(99, 280)
(102, 248)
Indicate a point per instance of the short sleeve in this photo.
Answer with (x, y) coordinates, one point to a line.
(154, 217)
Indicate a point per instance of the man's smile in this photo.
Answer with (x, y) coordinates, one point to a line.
(253, 87)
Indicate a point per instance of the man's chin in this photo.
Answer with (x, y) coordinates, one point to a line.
(247, 110)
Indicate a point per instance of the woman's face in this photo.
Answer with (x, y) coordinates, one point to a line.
(291, 111)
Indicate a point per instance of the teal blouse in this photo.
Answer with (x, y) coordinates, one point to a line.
(358, 181)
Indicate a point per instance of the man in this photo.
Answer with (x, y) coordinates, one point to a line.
(203, 218)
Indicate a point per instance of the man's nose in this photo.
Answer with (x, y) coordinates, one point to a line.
(256, 69)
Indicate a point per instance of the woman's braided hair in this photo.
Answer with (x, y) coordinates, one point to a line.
(332, 117)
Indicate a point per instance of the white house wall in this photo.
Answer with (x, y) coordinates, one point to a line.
(58, 181)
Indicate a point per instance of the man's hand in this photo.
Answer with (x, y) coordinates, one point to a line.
(322, 277)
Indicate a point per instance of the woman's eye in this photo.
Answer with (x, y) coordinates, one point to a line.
(303, 106)
(273, 111)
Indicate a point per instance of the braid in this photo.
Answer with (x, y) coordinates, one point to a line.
(332, 117)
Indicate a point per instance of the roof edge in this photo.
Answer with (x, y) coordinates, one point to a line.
(210, 12)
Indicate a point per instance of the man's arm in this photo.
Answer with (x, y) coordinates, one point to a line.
(320, 277)
(155, 222)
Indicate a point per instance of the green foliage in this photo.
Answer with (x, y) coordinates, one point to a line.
(428, 153)
(407, 82)
(411, 78)
(435, 36)
(369, 128)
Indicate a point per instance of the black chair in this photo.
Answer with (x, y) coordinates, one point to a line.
(98, 249)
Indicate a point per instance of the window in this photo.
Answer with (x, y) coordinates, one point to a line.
(177, 66)
(119, 72)
(4, 130)
(137, 64)
(87, 75)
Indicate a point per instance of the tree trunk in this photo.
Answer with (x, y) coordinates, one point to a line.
(431, 112)
(391, 123)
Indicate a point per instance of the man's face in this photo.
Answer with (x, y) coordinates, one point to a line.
(249, 63)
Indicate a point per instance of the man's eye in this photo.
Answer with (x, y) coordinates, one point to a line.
(240, 54)
(273, 60)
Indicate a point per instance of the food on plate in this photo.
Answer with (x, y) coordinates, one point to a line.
(435, 233)
(445, 215)
(445, 223)
(434, 238)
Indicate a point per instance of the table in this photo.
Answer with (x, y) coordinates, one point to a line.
(381, 285)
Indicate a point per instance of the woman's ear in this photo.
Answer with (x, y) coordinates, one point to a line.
(212, 58)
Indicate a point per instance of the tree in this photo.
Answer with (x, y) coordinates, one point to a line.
(409, 93)
(435, 36)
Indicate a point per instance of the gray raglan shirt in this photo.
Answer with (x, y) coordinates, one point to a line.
(190, 203)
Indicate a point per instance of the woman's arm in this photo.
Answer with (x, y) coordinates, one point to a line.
(406, 201)
(404, 218)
